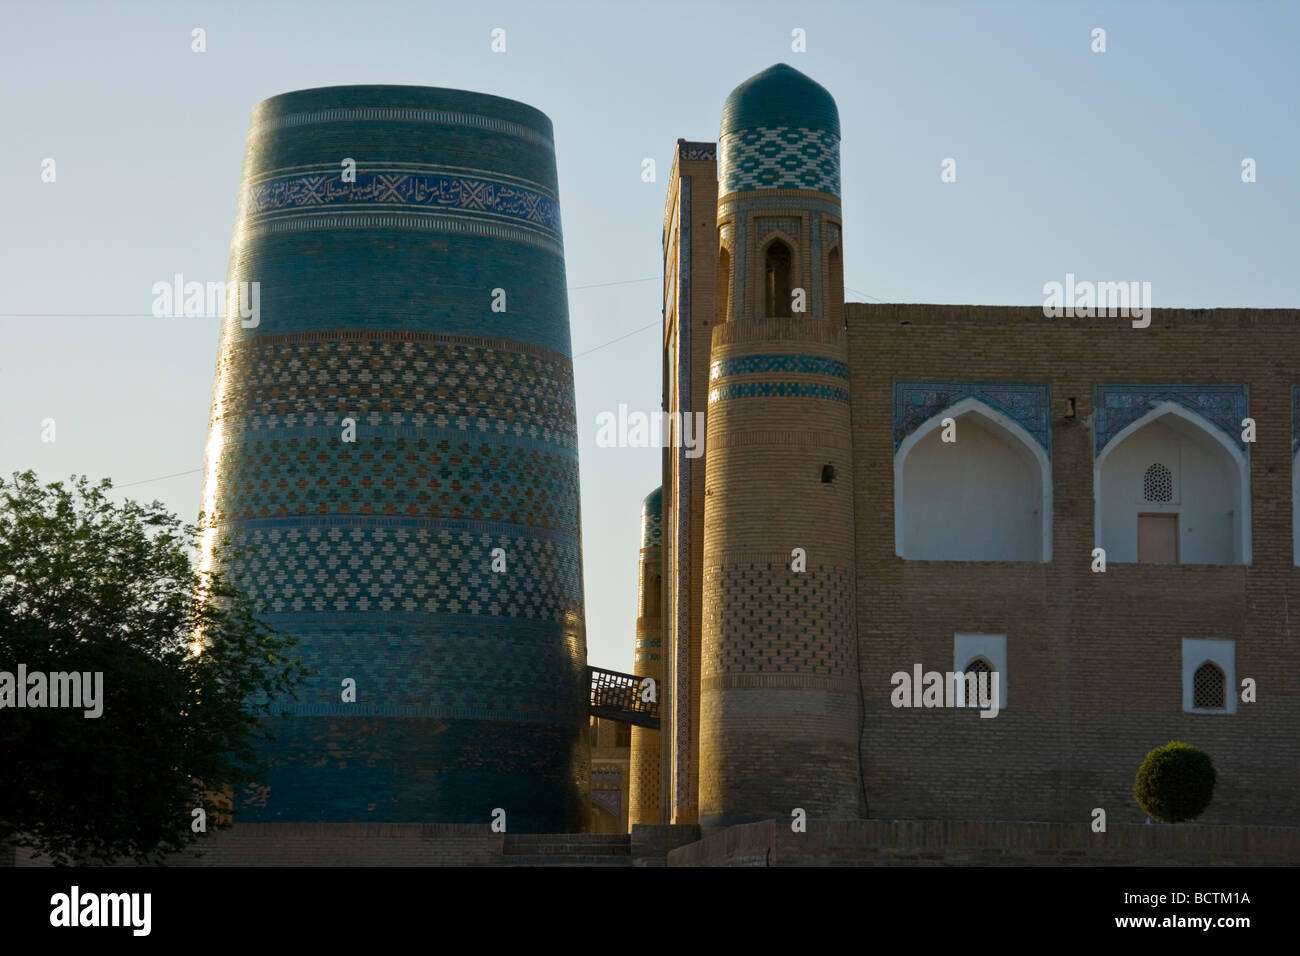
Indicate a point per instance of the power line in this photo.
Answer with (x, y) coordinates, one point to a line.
(150, 315)
(601, 285)
(619, 339)
(863, 294)
(597, 348)
(145, 481)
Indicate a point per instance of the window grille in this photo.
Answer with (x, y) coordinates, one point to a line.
(1158, 484)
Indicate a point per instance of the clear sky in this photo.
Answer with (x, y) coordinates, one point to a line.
(1123, 165)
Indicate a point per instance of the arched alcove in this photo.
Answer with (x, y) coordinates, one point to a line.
(985, 497)
(778, 279)
(1172, 488)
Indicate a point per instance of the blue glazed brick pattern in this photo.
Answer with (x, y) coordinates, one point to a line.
(416, 381)
(756, 364)
(1026, 403)
(727, 393)
(430, 477)
(652, 530)
(390, 114)
(457, 669)
(698, 151)
(462, 194)
(1118, 406)
(443, 430)
(347, 279)
(780, 157)
(363, 566)
(392, 769)
(376, 555)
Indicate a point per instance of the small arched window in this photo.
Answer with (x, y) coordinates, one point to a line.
(975, 668)
(1209, 687)
(1158, 483)
(777, 265)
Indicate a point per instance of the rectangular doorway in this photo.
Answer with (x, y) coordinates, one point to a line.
(1158, 538)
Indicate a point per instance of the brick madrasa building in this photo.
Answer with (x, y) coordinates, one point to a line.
(916, 488)
(886, 490)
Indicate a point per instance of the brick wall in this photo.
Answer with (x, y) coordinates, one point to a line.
(651, 844)
(690, 217)
(339, 844)
(963, 843)
(1094, 660)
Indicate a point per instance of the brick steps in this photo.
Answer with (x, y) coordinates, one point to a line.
(571, 860)
(545, 849)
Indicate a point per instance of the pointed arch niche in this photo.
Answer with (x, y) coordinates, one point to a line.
(777, 275)
(1206, 506)
(722, 304)
(985, 497)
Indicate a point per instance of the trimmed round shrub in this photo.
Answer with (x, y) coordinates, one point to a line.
(1175, 783)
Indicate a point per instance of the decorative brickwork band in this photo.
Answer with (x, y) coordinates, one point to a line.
(755, 364)
(492, 199)
(698, 152)
(375, 114)
(778, 390)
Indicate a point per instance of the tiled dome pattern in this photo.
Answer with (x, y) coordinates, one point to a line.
(781, 157)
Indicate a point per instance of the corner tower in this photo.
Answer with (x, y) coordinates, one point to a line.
(779, 699)
(644, 799)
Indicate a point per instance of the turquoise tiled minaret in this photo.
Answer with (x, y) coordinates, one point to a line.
(779, 696)
(423, 299)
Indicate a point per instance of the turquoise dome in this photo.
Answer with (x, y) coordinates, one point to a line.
(652, 522)
(780, 96)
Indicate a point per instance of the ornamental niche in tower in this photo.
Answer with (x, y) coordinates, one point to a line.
(644, 770)
(394, 443)
(779, 695)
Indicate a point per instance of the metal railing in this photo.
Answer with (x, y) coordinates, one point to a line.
(619, 696)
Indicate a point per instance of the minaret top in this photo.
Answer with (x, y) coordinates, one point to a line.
(780, 96)
(652, 509)
(780, 130)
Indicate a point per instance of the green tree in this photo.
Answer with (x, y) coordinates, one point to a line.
(189, 676)
(1175, 783)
